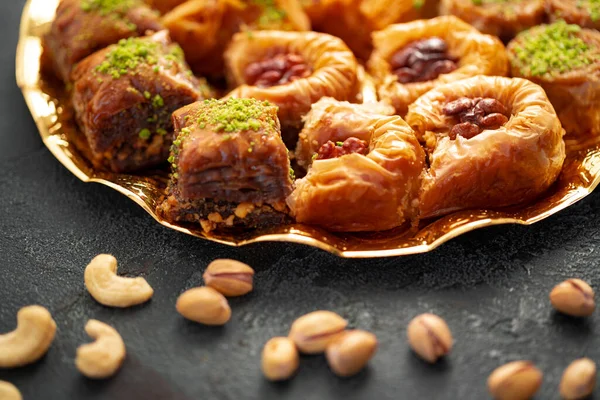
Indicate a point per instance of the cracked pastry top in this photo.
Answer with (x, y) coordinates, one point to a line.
(365, 177)
(354, 20)
(491, 142)
(585, 13)
(230, 167)
(123, 97)
(502, 18)
(291, 70)
(565, 60)
(204, 28)
(412, 58)
(82, 27)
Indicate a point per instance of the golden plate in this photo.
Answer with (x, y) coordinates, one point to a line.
(580, 175)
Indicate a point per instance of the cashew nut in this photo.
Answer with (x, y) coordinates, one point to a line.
(30, 341)
(8, 391)
(107, 288)
(102, 358)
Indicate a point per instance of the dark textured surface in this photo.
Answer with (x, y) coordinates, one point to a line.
(491, 286)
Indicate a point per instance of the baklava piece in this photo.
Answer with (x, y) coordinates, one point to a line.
(204, 28)
(230, 166)
(330, 120)
(585, 13)
(565, 60)
(82, 27)
(123, 98)
(411, 59)
(502, 18)
(368, 180)
(292, 70)
(491, 142)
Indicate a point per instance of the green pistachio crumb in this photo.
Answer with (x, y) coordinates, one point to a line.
(158, 101)
(271, 16)
(145, 133)
(127, 55)
(104, 7)
(161, 131)
(292, 174)
(147, 95)
(339, 144)
(418, 4)
(551, 50)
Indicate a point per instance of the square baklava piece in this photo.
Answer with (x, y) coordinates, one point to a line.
(230, 167)
(124, 95)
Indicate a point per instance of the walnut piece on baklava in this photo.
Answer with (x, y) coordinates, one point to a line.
(82, 27)
(230, 168)
(412, 58)
(123, 97)
(203, 28)
(291, 70)
(502, 18)
(585, 13)
(565, 60)
(491, 142)
(368, 179)
(330, 120)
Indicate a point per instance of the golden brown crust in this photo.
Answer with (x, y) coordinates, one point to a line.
(332, 120)
(334, 71)
(372, 192)
(501, 19)
(574, 94)
(510, 165)
(478, 54)
(203, 28)
(573, 12)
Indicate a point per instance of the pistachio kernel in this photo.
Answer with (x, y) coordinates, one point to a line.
(314, 331)
(348, 354)
(280, 359)
(230, 277)
(204, 305)
(429, 337)
(517, 380)
(573, 297)
(578, 380)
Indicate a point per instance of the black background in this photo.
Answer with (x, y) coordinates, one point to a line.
(491, 286)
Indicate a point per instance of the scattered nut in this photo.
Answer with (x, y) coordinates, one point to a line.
(314, 331)
(573, 297)
(280, 359)
(429, 337)
(204, 305)
(107, 288)
(517, 380)
(30, 341)
(230, 277)
(8, 391)
(102, 358)
(578, 380)
(350, 352)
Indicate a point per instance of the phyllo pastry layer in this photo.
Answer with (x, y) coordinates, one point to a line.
(354, 20)
(502, 18)
(123, 98)
(292, 70)
(82, 27)
(230, 166)
(491, 141)
(368, 180)
(412, 58)
(203, 28)
(585, 13)
(565, 60)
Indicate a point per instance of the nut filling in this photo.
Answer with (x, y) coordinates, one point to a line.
(277, 70)
(475, 115)
(423, 60)
(338, 149)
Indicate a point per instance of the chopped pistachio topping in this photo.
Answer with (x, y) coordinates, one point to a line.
(271, 15)
(130, 53)
(105, 7)
(339, 144)
(158, 101)
(592, 7)
(234, 115)
(418, 4)
(145, 133)
(552, 49)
